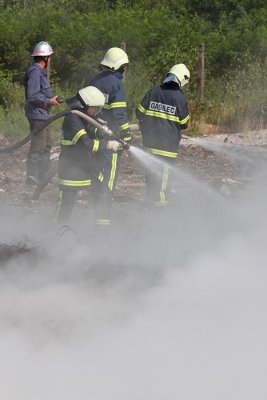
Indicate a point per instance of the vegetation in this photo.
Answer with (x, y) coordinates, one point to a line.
(158, 34)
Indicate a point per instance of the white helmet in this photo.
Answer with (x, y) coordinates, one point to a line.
(115, 58)
(42, 49)
(179, 74)
(91, 96)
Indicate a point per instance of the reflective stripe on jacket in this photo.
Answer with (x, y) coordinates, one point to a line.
(162, 114)
(77, 144)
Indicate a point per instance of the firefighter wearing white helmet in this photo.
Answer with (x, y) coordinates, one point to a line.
(179, 74)
(39, 100)
(109, 81)
(92, 97)
(115, 58)
(78, 144)
(162, 114)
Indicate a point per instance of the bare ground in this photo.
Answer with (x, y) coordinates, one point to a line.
(202, 163)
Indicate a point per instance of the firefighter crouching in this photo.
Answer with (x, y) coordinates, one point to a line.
(109, 81)
(78, 142)
(162, 114)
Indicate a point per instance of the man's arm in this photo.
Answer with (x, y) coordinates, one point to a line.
(118, 109)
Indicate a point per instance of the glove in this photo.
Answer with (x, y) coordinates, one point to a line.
(113, 145)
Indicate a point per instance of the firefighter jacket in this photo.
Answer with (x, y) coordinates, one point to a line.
(114, 110)
(77, 144)
(38, 92)
(162, 114)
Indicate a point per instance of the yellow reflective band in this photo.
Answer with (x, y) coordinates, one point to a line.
(78, 135)
(158, 114)
(113, 170)
(118, 104)
(162, 152)
(103, 221)
(162, 115)
(66, 142)
(141, 108)
(72, 142)
(162, 197)
(127, 138)
(66, 182)
(185, 120)
(164, 184)
(101, 177)
(124, 126)
(160, 204)
(96, 145)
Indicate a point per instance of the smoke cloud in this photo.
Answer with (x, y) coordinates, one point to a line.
(171, 304)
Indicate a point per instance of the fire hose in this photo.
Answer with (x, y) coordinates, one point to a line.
(92, 121)
(53, 168)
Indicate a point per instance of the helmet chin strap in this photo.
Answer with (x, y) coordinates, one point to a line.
(81, 101)
(121, 69)
(45, 59)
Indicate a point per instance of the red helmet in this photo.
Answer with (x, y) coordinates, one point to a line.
(42, 49)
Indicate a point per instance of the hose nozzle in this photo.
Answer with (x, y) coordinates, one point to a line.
(106, 130)
(124, 145)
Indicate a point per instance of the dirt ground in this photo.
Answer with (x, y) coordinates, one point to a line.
(203, 164)
(225, 175)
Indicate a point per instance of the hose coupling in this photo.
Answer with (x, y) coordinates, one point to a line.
(106, 130)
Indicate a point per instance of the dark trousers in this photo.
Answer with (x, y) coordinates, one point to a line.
(105, 175)
(65, 205)
(158, 182)
(39, 153)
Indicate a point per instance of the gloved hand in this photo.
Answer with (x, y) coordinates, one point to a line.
(113, 145)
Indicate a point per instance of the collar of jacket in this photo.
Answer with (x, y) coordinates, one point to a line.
(118, 74)
(35, 64)
(171, 86)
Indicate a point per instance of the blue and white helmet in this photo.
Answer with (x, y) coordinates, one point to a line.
(179, 73)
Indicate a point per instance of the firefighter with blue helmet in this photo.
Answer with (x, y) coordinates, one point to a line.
(162, 114)
(109, 81)
(39, 100)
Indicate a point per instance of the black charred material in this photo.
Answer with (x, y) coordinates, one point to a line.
(9, 252)
(24, 249)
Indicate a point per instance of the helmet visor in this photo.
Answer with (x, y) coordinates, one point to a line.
(171, 78)
(98, 110)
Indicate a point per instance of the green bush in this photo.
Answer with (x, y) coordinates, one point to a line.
(158, 34)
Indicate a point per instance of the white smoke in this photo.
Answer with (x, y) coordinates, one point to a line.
(170, 305)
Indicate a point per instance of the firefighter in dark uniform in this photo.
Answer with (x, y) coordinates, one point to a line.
(39, 99)
(162, 114)
(77, 144)
(107, 164)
